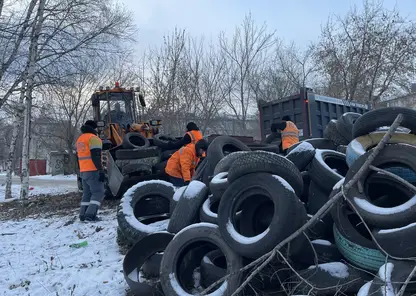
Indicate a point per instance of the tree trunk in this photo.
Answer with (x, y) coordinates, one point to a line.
(33, 54)
(15, 135)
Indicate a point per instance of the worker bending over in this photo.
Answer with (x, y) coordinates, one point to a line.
(192, 136)
(89, 148)
(181, 165)
(289, 132)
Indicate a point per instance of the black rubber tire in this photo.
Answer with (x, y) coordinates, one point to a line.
(264, 147)
(200, 169)
(137, 256)
(266, 162)
(225, 163)
(321, 170)
(318, 230)
(317, 198)
(318, 252)
(209, 210)
(398, 242)
(165, 155)
(345, 124)
(137, 168)
(342, 149)
(382, 217)
(317, 143)
(304, 197)
(329, 284)
(301, 155)
(176, 196)
(161, 140)
(285, 206)
(151, 266)
(130, 208)
(122, 241)
(187, 208)
(396, 273)
(331, 133)
(203, 232)
(138, 153)
(135, 141)
(217, 150)
(374, 119)
(353, 240)
(213, 267)
(219, 184)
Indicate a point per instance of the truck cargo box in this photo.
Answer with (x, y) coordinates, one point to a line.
(309, 111)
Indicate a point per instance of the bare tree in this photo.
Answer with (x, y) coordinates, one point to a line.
(246, 52)
(366, 53)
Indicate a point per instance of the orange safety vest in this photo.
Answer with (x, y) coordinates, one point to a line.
(195, 137)
(182, 163)
(290, 135)
(84, 154)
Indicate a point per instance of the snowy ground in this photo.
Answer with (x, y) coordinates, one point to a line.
(35, 257)
(41, 185)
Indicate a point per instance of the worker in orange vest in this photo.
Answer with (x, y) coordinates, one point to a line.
(289, 132)
(89, 147)
(192, 136)
(182, 164)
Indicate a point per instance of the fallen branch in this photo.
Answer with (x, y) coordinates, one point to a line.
(266, 258)
(394, 176)
(403, 288)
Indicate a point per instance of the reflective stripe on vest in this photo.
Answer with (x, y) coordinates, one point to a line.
(195, 136)
(84, 152)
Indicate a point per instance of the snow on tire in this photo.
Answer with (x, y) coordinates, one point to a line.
(266, 162)
(225, 163)
(401, 207)
(302, 155)
(187, 208)
(331, 133)
(144, 199)
(207, 212)
(219, 184)
(327, 168)
(137, 256)
(194, 235)
(260, 185)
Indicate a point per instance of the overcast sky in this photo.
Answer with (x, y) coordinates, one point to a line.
(297, 20)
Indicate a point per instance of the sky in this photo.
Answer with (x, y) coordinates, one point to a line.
(294, 20)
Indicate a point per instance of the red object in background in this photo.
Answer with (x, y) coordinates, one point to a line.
(36, 167)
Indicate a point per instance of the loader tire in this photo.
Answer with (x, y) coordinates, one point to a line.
(135, 141)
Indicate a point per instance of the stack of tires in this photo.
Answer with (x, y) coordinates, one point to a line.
(243, 203)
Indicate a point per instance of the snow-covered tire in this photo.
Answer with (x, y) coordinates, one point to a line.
(331, 133)
(389, 280)
(266, 162)
(207, 213)
(187, 208)
(176, 196)
(318, 251)
(345, 124)
(374, 119)
(122, 241)
(264, 147)
(144, 199)
(402, 212)
(206, 233)
(135, 141)
(398, 242)
(285, 206)
(137, 256)
(219, 184)
(302, 155)
(225, 163)
(151, 266)
(330, 279)
(323, 166)
(317, 143)
(352, 240)
(137, 169)
(217, 150)
(361, 145)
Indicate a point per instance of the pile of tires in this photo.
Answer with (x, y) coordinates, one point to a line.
(242, 203)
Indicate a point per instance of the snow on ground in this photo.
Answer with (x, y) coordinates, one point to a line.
(55, 178)
(36, 259)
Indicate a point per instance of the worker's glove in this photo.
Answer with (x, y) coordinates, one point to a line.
(101, 177)
(187, 183)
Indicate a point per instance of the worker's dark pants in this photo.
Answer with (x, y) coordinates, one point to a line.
(178, 182)
(92, 195)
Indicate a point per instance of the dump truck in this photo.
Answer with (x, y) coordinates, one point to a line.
(309, 111)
